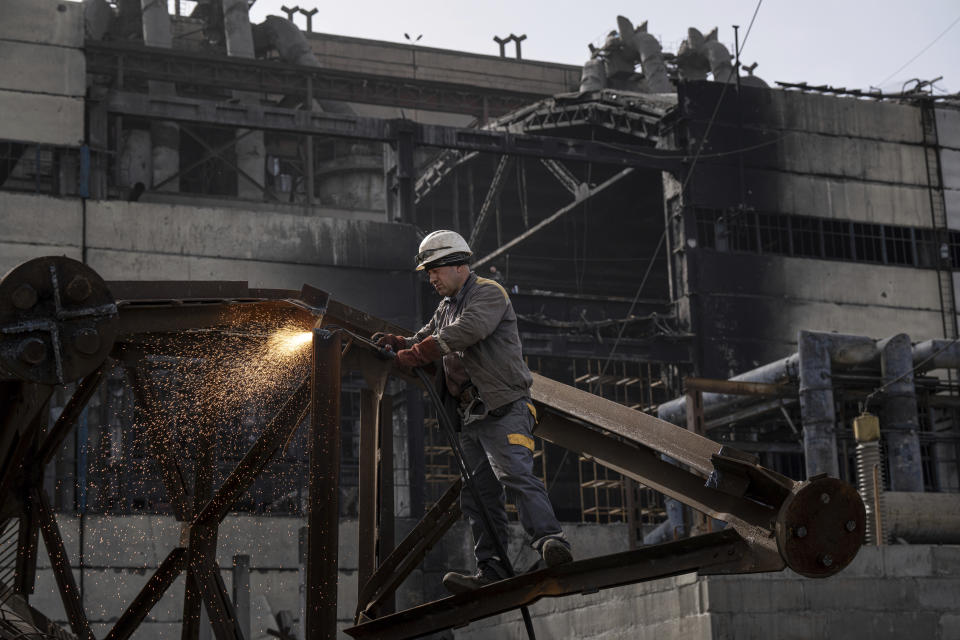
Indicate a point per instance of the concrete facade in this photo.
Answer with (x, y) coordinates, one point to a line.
(887, 592)
(43, 78)
(364, 264)
(121, 553)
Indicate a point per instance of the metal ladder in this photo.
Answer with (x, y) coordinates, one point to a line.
(938, 210)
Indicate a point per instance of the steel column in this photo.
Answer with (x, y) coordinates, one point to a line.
(323, 519)
(385, 541)
(369, 477)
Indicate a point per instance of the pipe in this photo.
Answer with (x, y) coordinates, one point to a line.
(866, 429)
(900, 414)
(715, 404)
(923, 518)
(654, 68)
(936, 354)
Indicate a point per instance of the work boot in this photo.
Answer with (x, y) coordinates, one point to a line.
(488, 572)
(556, 552)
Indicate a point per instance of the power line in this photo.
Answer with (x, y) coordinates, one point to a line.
(749, 27)
(922, 51)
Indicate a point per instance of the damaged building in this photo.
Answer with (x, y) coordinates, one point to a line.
(771, 267)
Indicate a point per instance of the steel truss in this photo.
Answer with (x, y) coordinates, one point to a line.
(764, 510)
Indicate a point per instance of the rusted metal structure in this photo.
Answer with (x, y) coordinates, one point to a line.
(59, 322)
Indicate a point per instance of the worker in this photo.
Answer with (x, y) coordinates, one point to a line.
(483, 375)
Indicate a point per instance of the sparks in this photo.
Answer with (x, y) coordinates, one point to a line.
(289, 340)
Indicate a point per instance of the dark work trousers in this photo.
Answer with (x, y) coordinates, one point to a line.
(499, 453)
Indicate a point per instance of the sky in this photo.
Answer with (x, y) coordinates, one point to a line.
(843, 43)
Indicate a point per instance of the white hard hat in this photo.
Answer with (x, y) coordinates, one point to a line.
(442, 248)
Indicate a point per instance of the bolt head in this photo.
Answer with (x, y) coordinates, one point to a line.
(33, 351)
(825, 498)
(87, 341)
(851, 525)
(800, 532)
(79, 289)
(24, 297)
(826, 559)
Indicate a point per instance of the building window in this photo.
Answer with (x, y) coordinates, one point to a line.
(837, 241)
(805, 232)
(899, 245)
(774, 232)
(868, 242)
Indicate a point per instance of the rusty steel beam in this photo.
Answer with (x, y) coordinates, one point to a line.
(386, 539)
(60, 564)
(206, 575)
(368, 525)
(78, 401)
(323, 518)
(721, 552)
(287, 419)
(150, 594)
(397, 566)
(740, 388)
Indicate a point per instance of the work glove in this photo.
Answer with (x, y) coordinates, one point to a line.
(388, 340)
(420, 354)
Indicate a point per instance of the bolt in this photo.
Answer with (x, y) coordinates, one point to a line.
(825, 498)
(24, 297)
(801, 532)
(33, 351)
(87, 341)
(826, 559)
(851, 525)
(79, 289)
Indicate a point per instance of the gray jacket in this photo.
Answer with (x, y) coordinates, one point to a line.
(479, 324)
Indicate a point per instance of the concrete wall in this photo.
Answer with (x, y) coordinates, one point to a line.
(43, 76)
(810, 155)
(361, 263)
(121, 553)
(887, 592)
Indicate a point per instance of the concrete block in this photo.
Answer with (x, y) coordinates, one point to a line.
(879, 626)
(37, 68)
(783, 626)
(938, 594)
(148, 630)
(745, 594)
(867, 564)
(881, 594)
(41, 119)
(281, 588)
(12, 255)
(69, 529)
(46, 595)
(40, 220)
(42, 21)
(945, 560)
(241, 234)
(950, 168)
(948, 127)
(951, 200)
(136, 542)
(949, 627)
(271, 543)
(901, 560)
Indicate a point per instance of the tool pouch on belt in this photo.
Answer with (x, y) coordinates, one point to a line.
(471, 407)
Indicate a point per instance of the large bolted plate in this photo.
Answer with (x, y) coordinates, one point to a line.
(820, 527)
(58, 321)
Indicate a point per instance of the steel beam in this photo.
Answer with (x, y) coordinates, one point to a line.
(562, 345)
(60, 564)
(721, 552)
(395, 568)
(386, 519)
(496, 185)
(224, 72)
(150, 594)
(250, 116)
(580, 199)
(740, 387)
(60, 429)
(323, 518)
(288, 418)
(367, 527)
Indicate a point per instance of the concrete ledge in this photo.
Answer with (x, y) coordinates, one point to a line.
(43, 22)
(36, 68)
(41, 119)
